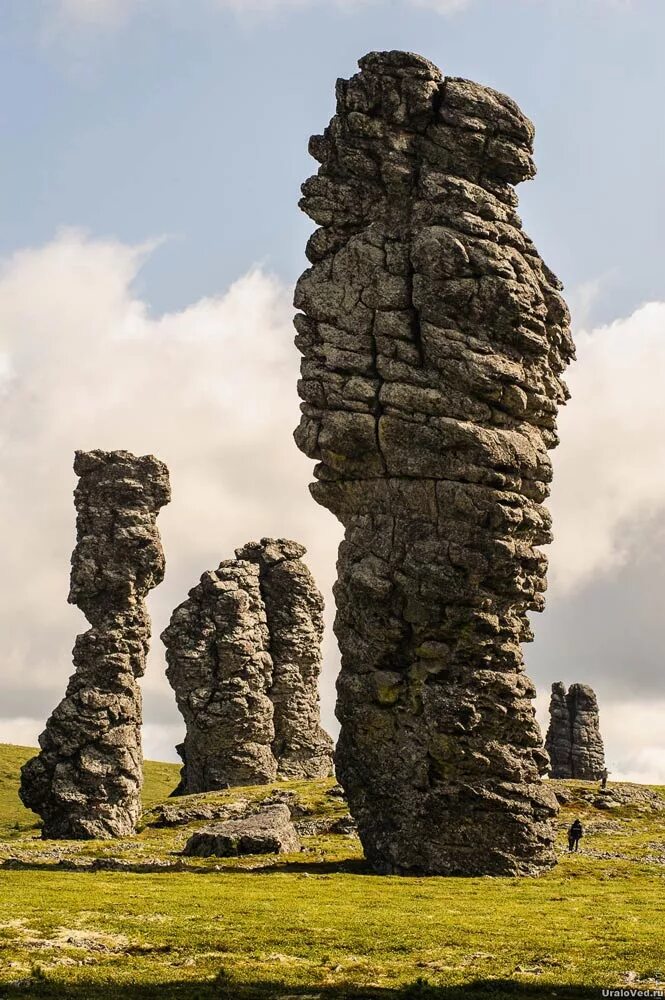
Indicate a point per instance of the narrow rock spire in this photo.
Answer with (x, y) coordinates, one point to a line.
(220, 669)
(294, 610)
(244, 658)
(558, 741)
(86, 781)
(573, 739)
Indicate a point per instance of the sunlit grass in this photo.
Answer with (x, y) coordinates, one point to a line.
(316, 924)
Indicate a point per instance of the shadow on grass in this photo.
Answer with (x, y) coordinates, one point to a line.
(351, 866)
(226, 989)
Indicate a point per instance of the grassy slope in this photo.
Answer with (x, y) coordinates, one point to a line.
(315, 925)
(15, 819)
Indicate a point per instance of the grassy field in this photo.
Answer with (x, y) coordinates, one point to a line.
(316, 926)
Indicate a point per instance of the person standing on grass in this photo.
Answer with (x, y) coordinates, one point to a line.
(575, 834)
(604, 774)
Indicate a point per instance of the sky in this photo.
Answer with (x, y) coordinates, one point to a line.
(149, 178)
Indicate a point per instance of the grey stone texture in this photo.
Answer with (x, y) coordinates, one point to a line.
(433, 339)
(267, 832)
(86, 781)
(191, 808)
(573, 742)
(221, 671)
(558, 741)
(244, 657)
(294, 610)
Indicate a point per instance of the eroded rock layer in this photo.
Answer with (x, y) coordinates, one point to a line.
(573, 740)
(558, 741)
(587, 752)
(434, 339)
(294, 610)
(221, 671)
(244, 658)
(269, 831)
(86, 781)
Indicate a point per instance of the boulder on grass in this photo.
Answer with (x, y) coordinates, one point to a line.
(189, 808)
(267, 832)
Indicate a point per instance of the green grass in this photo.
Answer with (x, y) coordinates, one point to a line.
(15, 820)
(316, 925)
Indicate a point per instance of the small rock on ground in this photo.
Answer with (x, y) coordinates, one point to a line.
(268, 832)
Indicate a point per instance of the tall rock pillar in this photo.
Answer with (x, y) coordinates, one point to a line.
(587, 750)
(221, 671)
(573, 739)
(558, 741)
(433, 340)
(86, 781)
(294, 609)
(244, 657)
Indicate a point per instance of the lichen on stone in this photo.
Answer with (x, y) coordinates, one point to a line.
(433, 339)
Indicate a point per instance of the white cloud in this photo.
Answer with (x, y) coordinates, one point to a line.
(211, 390)
(643, 764)
(609, 471)
(21, 731)
(637, 752)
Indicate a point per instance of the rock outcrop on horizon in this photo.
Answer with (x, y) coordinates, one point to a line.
(86, 781)
(244, 658)
(294, 610)
(434, 339)
(573, 742)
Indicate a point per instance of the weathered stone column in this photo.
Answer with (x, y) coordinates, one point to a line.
(434, 339)
(573, 739)
(558, 741)
(221, 671)
(587, 750)
(86, 782)
(294, 610)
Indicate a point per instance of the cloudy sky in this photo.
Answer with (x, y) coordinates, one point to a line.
(150, 239)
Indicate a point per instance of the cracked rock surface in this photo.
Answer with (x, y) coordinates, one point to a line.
(269, 831)
(86, 781)
(244, 658)
(433, 339)
(294, 610)
(558, 741)
(573, 741)
(221, 671)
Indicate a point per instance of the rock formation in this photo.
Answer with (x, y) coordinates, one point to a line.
(86, 781)
(220, 669)
(244, 655)
(294, 609)
(587, 751)
(269, 831)
(434, 338)
(558, 741)
(573, 739)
